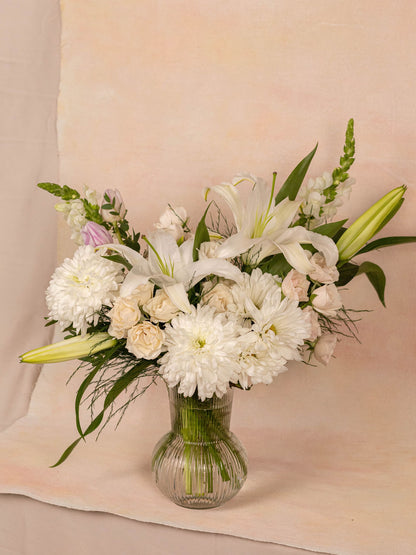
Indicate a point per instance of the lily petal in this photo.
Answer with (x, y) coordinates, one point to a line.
(178, 296)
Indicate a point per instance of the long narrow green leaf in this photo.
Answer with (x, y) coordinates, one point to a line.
(331, 229)
(201, 235)
(80, 394)
(386, 242)
(292, 184)
(119, 386)
(376, 277)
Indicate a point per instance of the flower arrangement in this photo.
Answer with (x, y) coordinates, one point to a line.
(228, 305)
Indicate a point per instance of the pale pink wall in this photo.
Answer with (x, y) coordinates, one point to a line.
(163, 98)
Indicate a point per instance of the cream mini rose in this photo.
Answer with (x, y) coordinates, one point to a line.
(143, 293)
(295, 286)
(322, 272)
(160, 308)
(124, 315)
(324, 348)
(208, 249)
(220, 297)
(312, 317)
(327, 300)
(145, 340)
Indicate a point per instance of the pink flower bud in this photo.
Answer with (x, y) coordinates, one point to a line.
(95, 235)
(116, 200)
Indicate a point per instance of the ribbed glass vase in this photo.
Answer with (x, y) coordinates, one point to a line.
(199, 464)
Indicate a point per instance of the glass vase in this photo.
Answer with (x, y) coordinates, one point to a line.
(199, 464)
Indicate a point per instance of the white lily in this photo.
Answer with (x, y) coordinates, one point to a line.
(171, 267)
(263, 228)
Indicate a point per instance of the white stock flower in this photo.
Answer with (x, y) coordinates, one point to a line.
(311, 194)
(324, 348)
(74, 214)
(124, 315)
(327, 300)
(160, 308)
(321, 272)
(172, 220)
(202, 352)
(80, 287)
(295, 286)
(145, 340)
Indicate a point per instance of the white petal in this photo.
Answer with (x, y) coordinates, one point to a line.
(178, 296)
(216, 266)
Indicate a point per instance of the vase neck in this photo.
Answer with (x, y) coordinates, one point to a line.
(194, 419)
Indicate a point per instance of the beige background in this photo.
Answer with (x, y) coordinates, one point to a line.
(162, 99)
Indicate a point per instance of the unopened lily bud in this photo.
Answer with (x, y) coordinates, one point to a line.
(70, 349)
(117, 211)
(369, 223)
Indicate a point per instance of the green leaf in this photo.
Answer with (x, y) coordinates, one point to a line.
(331, 229)
(276, 265)
(201, 235)
(92, 212)
(119, 259)
(292, 184)
(346, 273)
(119, 386)
(376, 277)
(386, 242)
(80, 394)
(65, 192)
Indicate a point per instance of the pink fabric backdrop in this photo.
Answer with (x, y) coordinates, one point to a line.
(162, 99)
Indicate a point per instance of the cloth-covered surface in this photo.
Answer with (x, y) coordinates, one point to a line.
(307, 487)
(160, 100)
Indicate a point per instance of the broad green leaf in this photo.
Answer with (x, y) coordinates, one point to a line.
(292, 184)
(331, 229)
(65, 192)
(376, 277)
(201, 235)
(346, 273)
(386, 242)
(276, 265)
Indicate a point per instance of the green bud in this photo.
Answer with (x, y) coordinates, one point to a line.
(69, 349)
(369, 223)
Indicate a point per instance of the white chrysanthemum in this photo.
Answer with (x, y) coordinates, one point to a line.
(202, 352)
(254, 288)
(80, 287)
(258, 362)
(281, 324)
